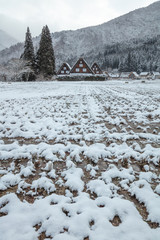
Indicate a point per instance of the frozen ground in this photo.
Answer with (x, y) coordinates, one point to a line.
(80, 161)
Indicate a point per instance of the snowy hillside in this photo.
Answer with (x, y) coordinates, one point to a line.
(89, 42)
(6, 40)
(139, 24)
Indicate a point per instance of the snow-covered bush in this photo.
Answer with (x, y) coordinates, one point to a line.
(17, 70)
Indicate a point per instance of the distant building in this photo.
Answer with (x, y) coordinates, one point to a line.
(64, 69)
(155, 75)
(113, 76)
(124, 75)
(145, 75)
(81, 68)
(96, 69)
(133, 75)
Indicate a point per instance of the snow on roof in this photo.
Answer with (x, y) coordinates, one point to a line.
(156, 73)
(144, 73)
(135, 73)
(124, 74)
(63, 65)
(114, 75)
(68, 65)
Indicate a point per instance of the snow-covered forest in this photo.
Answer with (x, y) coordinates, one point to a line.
(137, 55)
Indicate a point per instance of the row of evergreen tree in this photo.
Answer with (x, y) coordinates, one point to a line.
(43, 61)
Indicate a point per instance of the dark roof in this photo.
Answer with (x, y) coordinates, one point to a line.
(96, 64)
(64, 65)
(81, 59)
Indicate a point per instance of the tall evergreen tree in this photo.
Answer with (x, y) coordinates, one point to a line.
(45, 54)
(28, 53)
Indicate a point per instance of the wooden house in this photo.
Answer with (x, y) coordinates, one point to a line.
(133, 75)
(113, 76)
(145, 75)
(81, 68)
(124, 75)
(155, 75)
(96, 69)
(64, 69)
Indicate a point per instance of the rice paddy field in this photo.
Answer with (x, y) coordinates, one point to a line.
(80, 160)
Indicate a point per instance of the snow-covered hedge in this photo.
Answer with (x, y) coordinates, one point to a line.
(82, 78)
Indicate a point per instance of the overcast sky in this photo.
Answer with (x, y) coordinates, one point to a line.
(16, 15)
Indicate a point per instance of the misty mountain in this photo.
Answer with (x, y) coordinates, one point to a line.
(105, 43)
(6, 40)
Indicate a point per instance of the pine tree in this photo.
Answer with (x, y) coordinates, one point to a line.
(28, 53)
(45, 54)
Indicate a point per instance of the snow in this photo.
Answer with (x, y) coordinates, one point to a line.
(44, 183)
(74, 156)
(73, 179)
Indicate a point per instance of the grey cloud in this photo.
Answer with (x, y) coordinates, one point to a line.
(60, 14)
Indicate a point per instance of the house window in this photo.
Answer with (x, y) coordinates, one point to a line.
(64, 68)
(80, 65)
(62, 71)
(97, 71)
(77, 69)
(84, 70)
(67, 72)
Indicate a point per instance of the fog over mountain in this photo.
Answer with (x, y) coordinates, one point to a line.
(6, 40)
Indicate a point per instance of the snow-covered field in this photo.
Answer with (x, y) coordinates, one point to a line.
(80, 161)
